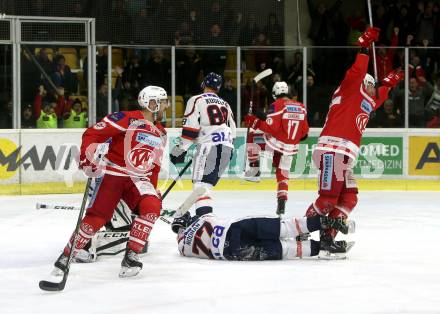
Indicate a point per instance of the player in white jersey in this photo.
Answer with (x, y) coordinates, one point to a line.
(256, 238)
(209, 123)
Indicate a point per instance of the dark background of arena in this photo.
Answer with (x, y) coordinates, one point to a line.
(329, 29)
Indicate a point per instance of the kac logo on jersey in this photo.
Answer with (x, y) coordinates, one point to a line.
(362, 121)
(148, 139)
(366, 106)
(140, 158)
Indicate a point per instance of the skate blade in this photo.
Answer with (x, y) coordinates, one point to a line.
(251, 179)
(127, 272)
(325, 255)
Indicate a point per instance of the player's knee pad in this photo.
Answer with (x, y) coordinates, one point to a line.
(325, 204)
(149, 204)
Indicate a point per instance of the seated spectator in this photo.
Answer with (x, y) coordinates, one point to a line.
(402, 21)
(158, 70)
(45, 62)
(5, 113)
(63, 76)
(418, 95)
(229, 93)
(76, 117)
(322, 31)
(133, 76)
(274, 31)
(27, 119)
(234, 28)
(184, 35)
(387, 116)
(433, 106)
(426, 23)
(250, 31)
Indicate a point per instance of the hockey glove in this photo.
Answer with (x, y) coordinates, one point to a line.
(368, 37)
(393, 78)
(181, 222)
(90, 169)
(177, 155)
(252, 121)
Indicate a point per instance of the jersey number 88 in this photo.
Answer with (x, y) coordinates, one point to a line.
(217, 115)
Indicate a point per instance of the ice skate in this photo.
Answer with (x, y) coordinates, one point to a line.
(281, 207)
(252, 174)
(340, 224)
(130, 265)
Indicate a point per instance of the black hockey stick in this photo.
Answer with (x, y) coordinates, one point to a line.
(59, 286)
(255, 80)
(171, 187)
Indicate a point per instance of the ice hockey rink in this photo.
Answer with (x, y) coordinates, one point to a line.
(393, 268)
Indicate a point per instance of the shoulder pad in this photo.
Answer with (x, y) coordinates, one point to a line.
(116, 116)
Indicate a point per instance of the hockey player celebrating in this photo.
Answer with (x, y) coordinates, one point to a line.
(284, 127)
(130, 173)
(209, 123)
(338, 145)
(255, 238)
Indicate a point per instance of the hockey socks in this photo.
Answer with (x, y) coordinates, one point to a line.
(140, 231)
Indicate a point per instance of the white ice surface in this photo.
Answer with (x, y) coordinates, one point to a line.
(393, 268)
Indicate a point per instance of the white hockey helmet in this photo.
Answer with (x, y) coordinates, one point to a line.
(279, 88)
(156, 93)
(369, 80)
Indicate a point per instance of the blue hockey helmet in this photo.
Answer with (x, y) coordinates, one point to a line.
(212, 80)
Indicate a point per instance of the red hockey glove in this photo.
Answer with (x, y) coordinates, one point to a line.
(252, 121)
(393, 78)
(368, 37)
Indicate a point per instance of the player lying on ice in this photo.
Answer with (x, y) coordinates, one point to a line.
(256, 238)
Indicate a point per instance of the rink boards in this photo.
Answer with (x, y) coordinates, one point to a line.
(45, 161)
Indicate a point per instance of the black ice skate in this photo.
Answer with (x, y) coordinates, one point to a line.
(130, 265)
(331, 249)
(281, 208)
(339, 224)
(60, 265)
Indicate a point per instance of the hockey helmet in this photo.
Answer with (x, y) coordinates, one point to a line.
(155, 93)
(369, 80)
(212, 80)
(279, 88)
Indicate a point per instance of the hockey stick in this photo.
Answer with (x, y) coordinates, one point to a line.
(164, 212)
(370, 16)
(171, 187)
(255, 80)
(59, 286)
(186, 205)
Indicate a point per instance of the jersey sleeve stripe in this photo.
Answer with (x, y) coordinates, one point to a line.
(193, 108)
(191, 129)
(189, 134)
(114, 124)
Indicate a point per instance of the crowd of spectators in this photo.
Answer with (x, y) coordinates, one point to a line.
(188, 24)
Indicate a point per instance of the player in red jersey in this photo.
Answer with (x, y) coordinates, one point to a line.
(338, 145)
(129, 172)
(284, 127)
